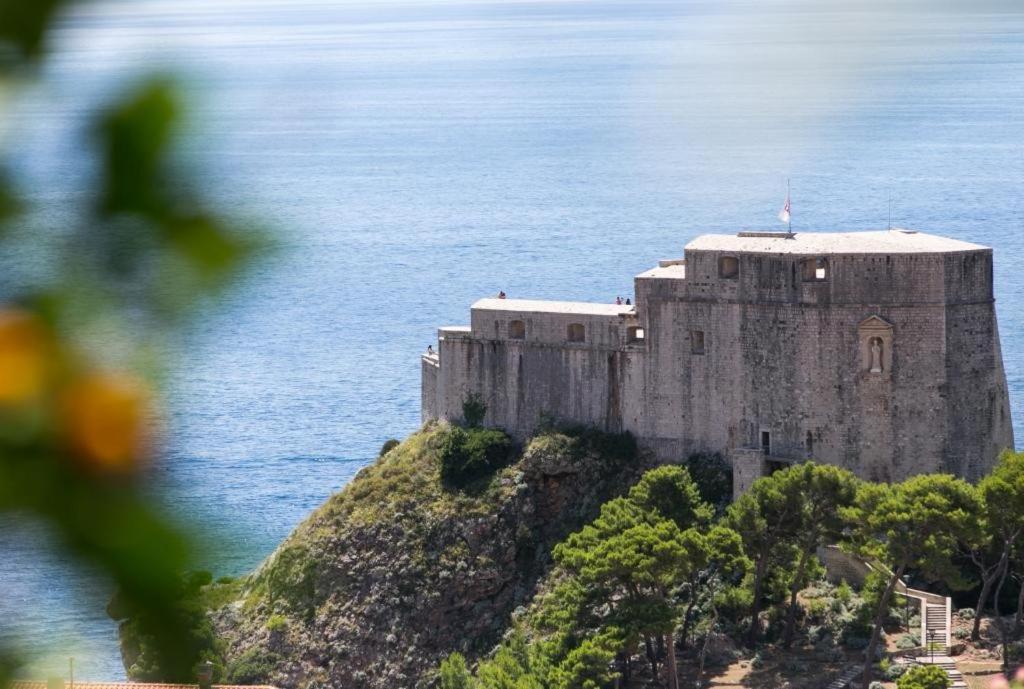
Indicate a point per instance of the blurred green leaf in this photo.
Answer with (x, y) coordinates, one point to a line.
(135, 136)
(23, 25)
(149, 248)
(9, 204)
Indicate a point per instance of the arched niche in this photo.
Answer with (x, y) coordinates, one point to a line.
(875, 340)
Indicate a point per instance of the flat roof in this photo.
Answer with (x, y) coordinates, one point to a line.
(895, 241)
(677, 272)
(542, 306)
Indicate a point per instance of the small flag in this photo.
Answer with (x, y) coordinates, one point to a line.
(784, 213)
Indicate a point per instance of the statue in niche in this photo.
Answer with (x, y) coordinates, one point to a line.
(876, 355)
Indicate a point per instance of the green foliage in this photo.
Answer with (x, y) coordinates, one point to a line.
(388, 446)
(924, 677)
(894, 671)
(908, 641)
(615, 448)
(713, 476)
(474, 409)
(589, 665)
(132, 265)
(277, 623)
(670, 493)
(291, 579)
(23, 27)
(638, 552)
(466, 455)
(254, 666)
(517, 664)
(142, 650)
(915, 524)
(453, 673)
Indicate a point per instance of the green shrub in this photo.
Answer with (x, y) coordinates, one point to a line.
(843, 593)
(388, 446)
(252, 667)
(453, 673)
(467, 454)
(276, 623)
(924, 677)
(816, 609)
(908, 641)
(473, 410)
(965, 613)
(895, 671)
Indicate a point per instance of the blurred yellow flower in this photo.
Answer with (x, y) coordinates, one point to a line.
(24, 354)
(104, 418)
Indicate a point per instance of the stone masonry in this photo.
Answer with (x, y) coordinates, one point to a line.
(876, 351)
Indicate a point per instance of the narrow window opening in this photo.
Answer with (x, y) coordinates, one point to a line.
(576, 332)
(634, 333)
(766, 442)
(814, 270)
(809, 444)
(696, 341)
(517, 330)
(728, 267)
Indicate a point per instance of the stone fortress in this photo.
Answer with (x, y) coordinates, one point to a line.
(876, 351)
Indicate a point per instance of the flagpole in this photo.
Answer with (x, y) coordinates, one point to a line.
(788, 203)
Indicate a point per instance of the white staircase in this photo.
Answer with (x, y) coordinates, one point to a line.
(936, 628)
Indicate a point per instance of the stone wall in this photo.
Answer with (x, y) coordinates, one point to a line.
(887, 364)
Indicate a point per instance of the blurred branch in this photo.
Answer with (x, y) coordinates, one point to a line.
(74, 434)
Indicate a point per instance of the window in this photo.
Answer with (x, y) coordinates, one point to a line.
(634, 333)
(576, 332)
(696, 342)
(766, 442)
(517, 330)
(728, 267)
(814, 270)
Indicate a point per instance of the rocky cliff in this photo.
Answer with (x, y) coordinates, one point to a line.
(397, 570)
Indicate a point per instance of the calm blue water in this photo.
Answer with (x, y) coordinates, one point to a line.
(419, 155)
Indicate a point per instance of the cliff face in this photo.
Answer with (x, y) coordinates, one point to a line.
(396, 570)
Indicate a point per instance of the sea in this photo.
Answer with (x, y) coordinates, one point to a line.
(412, 156)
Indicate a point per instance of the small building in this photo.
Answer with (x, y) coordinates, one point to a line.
(876, 351)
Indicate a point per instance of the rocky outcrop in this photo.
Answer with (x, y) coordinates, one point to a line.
(396, 571)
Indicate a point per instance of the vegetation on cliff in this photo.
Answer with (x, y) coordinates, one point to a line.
(461, 560)
(630, 587)
(431, 548)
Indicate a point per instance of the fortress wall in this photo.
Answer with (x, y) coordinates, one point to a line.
(851, 278)
(429, 372)
(794, 370)
(541, 377)
(976, 396)
(889, 366)
(600, 331)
